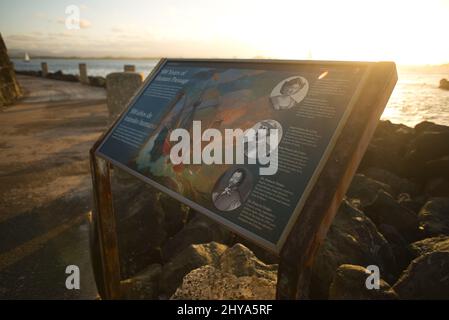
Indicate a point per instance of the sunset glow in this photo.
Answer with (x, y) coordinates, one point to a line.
(408, 32)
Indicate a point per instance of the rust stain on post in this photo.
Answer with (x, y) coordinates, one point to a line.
(104, 226)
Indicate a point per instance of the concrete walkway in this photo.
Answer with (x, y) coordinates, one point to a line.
(45, 188)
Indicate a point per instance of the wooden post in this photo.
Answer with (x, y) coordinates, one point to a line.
(83, 73)
(297, 255)
(129, 68)
(44, 68)
(103, 220)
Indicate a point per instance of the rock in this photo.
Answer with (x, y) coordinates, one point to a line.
(434, 217)
(385, 210)
(352, 239)
(144, 285)
(59, 75)
(414, 205)
(192, 257)
(140, 226)
(437, 187)
(444, 84)
(97, 81)
(398, 185)
(264, 255)
(365, 189)
(429, 245)
(427, 277)
(238, 275)
(401, 250)
(9, 87)
(349, 284)
(198, 230)
(427, 126)
(436, 168)
(387, 147)
(427, 147)
(241, 261)
(30, 73)
(209, 283)
(176, 214)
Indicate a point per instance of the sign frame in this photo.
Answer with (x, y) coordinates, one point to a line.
(318, 207)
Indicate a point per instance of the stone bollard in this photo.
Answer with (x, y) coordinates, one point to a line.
(83, 73)
(129, 68)
(44, 68)
(120, 87)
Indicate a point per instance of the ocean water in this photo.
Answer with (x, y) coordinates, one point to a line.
(415, 98)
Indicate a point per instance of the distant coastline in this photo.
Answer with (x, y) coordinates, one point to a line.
(16, 56)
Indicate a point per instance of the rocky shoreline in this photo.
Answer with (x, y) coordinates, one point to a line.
(395, 216)
(96, 81)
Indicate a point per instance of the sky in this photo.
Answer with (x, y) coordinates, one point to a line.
(408, 32)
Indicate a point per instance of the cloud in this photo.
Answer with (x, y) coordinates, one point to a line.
(117, 29)
(84, 24)
(40, 15)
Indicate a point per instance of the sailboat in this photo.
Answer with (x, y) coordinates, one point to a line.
(26, 58)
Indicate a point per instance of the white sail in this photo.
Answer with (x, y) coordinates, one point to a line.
(27, 57)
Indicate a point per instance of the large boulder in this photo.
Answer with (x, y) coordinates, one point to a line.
(437, 187)
(397, 184)
(349, 283)
(429, 245)
(387, 147)
(434, 217)
(140, 226)
(352, 239)
(210, 283)
(385, 210)
(239, 274)
(176, 214)
(413, 205)
(144, 285)
(241, 261)
(427, 155)
(400, 247)
(427, 126)
(365, 189)
(198, 230)
(435, 168)
(427, 277)
(192, 257)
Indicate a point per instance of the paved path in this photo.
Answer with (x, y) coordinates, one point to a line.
(45, 188)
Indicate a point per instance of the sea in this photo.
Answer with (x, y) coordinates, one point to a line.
(416, 97)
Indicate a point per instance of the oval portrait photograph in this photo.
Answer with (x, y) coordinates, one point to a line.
(289, 92)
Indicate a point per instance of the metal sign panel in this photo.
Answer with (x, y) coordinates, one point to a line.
(305, 103)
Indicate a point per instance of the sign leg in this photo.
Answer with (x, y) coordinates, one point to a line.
(105, 231)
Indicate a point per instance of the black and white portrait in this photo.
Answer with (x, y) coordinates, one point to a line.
(232, 189)
(251, 142)
(289, 92)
